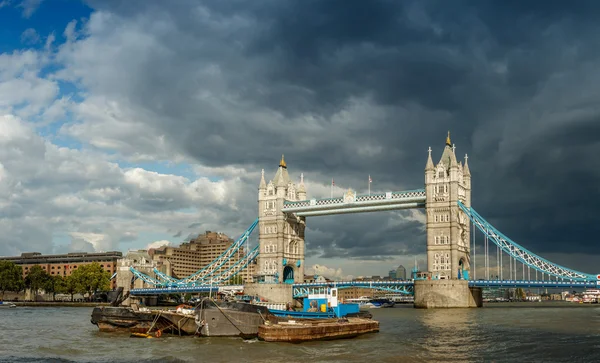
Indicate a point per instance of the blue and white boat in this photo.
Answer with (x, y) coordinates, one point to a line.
(322, 306)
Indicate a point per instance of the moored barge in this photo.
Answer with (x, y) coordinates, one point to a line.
(295, 331)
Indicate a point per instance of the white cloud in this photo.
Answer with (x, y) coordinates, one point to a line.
(157, 244)
(29, 7)
(30, 36)
(328, 272)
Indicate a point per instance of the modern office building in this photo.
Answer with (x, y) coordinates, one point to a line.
(401, 273)
(392, 274)
(196, 254)
(65, 264)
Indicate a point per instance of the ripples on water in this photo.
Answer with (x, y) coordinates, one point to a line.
(498, 333)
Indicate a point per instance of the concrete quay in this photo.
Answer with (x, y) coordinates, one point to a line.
(432, 294)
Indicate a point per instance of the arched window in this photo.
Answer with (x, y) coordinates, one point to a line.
(436, 261)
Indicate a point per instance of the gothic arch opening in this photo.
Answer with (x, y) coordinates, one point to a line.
(288, 275)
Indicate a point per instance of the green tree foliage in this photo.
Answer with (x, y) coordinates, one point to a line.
(55, 285)
(91, 278)
(36, 279)
(236, 280)
(11, 277)
(70, 286)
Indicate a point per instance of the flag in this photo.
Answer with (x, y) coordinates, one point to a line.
(370, 180)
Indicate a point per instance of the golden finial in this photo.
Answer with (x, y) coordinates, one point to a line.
(282, 162)
(448, 140)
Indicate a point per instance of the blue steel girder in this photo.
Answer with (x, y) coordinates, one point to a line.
(147, 279)
(241, 264)
(184, 289)
(534, 284)
(357, 204)
(522, 254)
(217, 263)
(402, 287)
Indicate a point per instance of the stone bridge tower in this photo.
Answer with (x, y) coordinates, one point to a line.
(280, 236)
(448, 228)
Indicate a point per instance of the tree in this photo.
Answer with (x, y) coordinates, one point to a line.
(36, 279)
(236, 280)
(55, 285)
(70, 285)
(11, 277)
(91, 278)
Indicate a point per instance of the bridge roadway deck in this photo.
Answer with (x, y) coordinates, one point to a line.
(352, 203)
(392, 286)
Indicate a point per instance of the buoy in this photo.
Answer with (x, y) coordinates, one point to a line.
(158, 333)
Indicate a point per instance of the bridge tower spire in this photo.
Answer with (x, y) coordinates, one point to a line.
(280, 236)
(448, 228)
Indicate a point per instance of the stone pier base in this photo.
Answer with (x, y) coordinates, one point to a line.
(431, 294)
(276, 293)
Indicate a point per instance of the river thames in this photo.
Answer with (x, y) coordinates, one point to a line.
(528, 332)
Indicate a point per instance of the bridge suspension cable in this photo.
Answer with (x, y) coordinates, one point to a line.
(518, 253)
(218, 262)
(207, 275)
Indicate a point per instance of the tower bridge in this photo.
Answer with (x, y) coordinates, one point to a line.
(283, 208)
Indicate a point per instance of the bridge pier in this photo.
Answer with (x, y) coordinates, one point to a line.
(275, 293)
(431, 294)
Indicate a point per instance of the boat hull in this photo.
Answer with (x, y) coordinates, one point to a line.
(210, 318)
(126, 320)
(298, 331)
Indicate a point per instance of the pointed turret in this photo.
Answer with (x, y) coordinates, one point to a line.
(453, 161)
(263, 184)
(466, 171)
(429, 165)
(301, 188)
(282, 162)
(448, 153)
(281, 178)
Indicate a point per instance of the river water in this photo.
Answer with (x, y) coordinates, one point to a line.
(527, 332)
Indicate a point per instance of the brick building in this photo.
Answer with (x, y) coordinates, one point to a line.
(65, 264)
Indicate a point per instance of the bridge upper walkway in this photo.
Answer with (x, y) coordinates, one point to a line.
(352, 203)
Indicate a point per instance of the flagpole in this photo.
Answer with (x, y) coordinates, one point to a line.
(369, 185)
(331, 187)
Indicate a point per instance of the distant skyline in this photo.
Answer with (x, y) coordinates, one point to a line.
(126, 123)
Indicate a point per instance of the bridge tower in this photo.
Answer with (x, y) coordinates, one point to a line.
(448, 228)
(281, 235)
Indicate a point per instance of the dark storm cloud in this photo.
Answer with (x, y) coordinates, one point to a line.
(514, 81)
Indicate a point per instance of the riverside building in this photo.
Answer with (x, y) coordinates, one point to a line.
(65, 264)
(196, 254)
